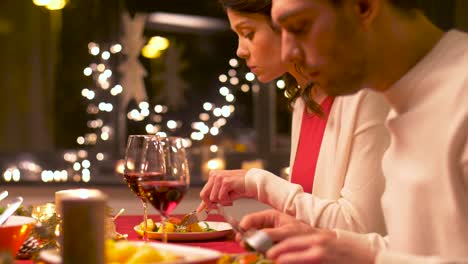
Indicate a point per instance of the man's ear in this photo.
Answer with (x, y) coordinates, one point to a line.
(367, 10)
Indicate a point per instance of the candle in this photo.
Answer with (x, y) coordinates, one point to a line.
(60, 195)
(83, 226)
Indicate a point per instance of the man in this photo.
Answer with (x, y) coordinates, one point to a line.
(346, 45)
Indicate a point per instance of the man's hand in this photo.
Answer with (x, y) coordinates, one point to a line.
(275, 224)
(319, 247)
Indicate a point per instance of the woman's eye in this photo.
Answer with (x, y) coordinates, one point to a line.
(248, 35)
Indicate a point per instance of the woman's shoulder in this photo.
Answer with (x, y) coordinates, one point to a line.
(364, 97)
(298, 104)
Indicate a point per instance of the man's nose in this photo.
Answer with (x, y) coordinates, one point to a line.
(290, 51)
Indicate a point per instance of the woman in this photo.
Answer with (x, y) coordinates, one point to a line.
(337, 143)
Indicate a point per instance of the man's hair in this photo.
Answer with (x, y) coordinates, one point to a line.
(406, 4)
(264, 6)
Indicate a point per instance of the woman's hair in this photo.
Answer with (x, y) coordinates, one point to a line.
(248, 6)
(293, 91)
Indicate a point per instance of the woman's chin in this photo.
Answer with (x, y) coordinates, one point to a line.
(264, 78)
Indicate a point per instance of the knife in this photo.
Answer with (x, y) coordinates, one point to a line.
(231, 220)
(11, 209)
(254, 240)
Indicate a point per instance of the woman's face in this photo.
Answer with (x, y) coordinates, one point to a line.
(259, 45)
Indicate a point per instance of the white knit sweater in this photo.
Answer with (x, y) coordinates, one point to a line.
(426, 166)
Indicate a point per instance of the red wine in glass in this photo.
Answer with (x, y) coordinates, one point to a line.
(163, 195)
(133, 180)
(144, 159)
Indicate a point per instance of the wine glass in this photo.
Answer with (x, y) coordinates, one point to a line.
(167, 192)
(144, 159)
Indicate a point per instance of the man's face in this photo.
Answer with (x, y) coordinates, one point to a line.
(327, 41)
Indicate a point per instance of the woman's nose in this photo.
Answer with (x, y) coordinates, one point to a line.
(242, 52)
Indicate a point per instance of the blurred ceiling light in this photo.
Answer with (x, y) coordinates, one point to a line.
(41, 2)
(56, 4)
(187, 21)
(150, 52)
(161, 43)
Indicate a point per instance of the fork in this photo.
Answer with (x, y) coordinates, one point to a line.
(193, 217)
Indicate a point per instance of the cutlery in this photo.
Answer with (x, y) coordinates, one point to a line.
(231, 220)
(122, 210)
(3, 195)
(193, 217)
(254, 240)
(11, 209)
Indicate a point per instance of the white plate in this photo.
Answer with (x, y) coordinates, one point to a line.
(190, 254)
(222, 229)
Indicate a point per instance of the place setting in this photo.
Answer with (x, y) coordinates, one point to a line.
(157, 171)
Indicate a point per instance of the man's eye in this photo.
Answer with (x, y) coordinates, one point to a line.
(297, 28)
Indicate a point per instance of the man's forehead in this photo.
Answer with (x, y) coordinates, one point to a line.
(284, 9)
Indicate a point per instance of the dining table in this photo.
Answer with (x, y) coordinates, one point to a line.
(126, 223)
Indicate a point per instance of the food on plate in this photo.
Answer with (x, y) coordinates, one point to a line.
(173, 225)
(125, 252)
(247, 258)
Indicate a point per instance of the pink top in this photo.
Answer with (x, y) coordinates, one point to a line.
(308, 149)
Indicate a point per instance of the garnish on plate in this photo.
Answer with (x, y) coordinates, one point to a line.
(244, 258)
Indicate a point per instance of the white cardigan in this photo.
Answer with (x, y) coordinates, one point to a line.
(348, 178)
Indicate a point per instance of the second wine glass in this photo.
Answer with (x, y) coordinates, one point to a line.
(166, 192)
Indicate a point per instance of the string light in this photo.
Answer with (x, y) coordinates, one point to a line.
(214, 148)
(211, 119)
(280, 84)
(230, 98)
(249, 76)
(223, 78)
(233, 62)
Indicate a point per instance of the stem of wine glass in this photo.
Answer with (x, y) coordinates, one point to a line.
(145, 218)
(164, 220)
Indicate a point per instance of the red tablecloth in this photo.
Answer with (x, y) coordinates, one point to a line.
(125, 225)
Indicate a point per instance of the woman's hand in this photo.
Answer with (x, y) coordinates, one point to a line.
(224, 187)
